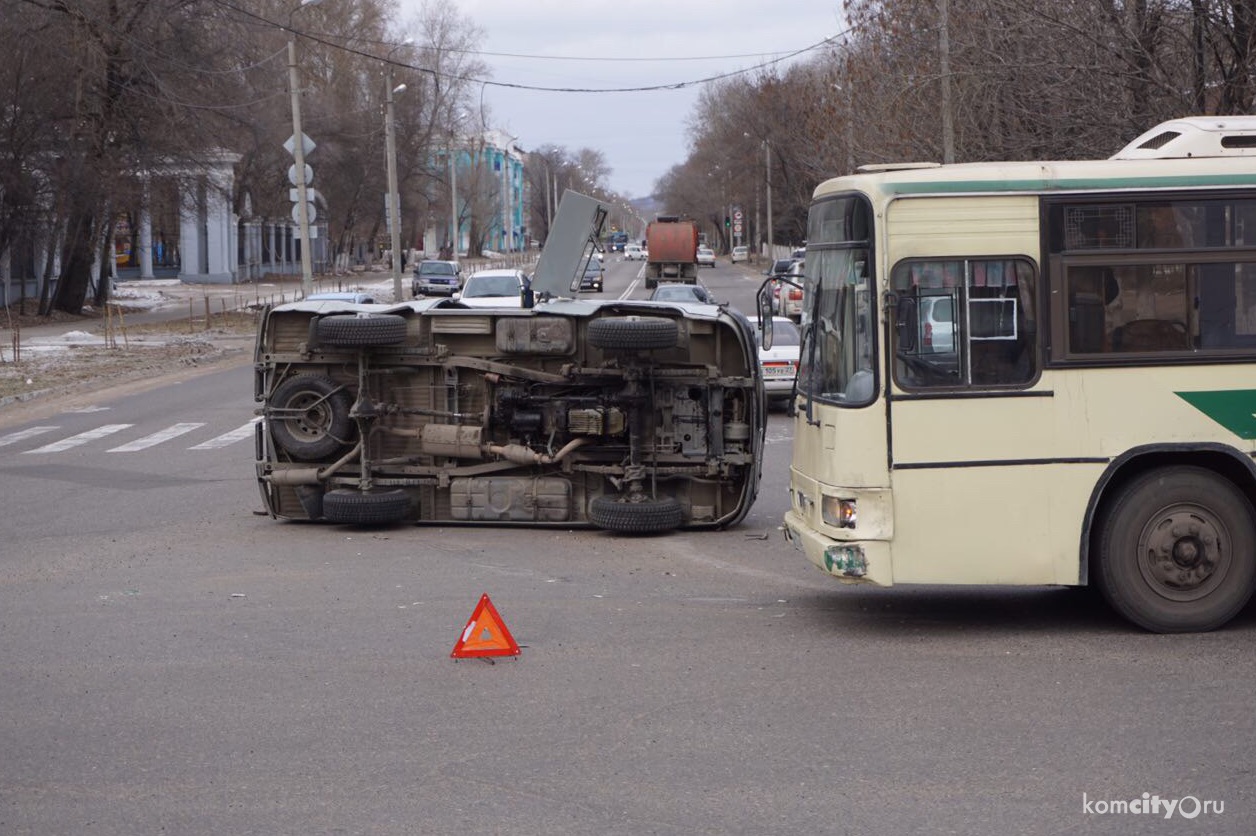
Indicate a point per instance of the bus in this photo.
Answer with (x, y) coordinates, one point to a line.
(1037, 373)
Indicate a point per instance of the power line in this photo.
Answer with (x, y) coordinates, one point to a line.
(679, 85)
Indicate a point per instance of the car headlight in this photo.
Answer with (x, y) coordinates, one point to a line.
(839, 513)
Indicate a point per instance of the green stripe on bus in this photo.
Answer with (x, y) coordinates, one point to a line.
(1069, 184)
(1234, 409)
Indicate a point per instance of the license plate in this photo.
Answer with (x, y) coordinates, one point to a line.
(782, 370)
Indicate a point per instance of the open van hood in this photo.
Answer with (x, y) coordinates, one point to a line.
(570, 244)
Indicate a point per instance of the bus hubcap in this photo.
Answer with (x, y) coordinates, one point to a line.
(1182, 553)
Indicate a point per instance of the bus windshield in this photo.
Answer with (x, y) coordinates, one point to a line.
(838, 319)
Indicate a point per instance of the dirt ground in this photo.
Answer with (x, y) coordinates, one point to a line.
(95, 353)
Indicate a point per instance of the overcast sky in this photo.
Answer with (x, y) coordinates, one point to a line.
(641, 134)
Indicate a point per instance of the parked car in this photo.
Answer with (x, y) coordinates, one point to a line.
(356, 297)
(682, 292)
(496, 288)
(780, 362)
(739, 254)
(593, 276)
(432, 277)
(633, 252)
(706, 256)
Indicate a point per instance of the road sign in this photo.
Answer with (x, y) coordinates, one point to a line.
(311, 214)
(292, 175)
(307, 145)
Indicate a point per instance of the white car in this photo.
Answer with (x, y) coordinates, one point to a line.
(780, 362)
(706, 256)
(498, 288)
(633, 252)
(739, 254)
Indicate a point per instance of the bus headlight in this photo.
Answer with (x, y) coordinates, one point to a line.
(839, 513)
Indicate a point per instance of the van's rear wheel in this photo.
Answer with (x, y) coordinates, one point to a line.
(351, 507)
(634, 333)
(647, 516)
(1177, 550)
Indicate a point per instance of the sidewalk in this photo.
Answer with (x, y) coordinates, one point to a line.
(153, 301)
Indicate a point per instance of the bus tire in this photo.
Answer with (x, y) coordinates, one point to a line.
(649, 516)
(350, 507)
(351, 330)
(634, 333)
(309, 417)
(1177, 550)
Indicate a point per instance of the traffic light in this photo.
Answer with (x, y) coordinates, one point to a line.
(727, 222)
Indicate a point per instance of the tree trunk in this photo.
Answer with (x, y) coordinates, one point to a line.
(76, 261)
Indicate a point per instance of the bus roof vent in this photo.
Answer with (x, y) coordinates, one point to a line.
(1196, 136)
(874, 168)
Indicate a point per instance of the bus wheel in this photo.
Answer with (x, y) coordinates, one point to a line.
(1177, 550)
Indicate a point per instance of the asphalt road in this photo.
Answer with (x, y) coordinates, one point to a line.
(175, 662)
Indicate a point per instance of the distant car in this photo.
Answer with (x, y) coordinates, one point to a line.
(357, 297)
(789, 298)
(739, 254)
(780, 362)
(936, 324)
(593, 276)
(680, 292)
(779, 267)
(798, 253)
(633, 252)
(497, 288)
(432, 277)
(706, 256)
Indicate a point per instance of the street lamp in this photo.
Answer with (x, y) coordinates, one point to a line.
(394, 203)
(298, 153)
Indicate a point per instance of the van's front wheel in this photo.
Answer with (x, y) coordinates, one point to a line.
(1177, 550)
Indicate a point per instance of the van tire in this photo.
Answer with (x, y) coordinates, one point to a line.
(308, 416)
(634, 333)
(351, 331)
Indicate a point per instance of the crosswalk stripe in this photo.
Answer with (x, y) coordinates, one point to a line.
(81, 438)
(22, 435)
(228, 438)
(156, 438)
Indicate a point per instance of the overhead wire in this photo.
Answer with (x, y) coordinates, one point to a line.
(679, 85)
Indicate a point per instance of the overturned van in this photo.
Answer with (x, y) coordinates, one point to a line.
(628, 416)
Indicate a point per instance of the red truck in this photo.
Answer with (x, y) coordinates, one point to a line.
(673, 251)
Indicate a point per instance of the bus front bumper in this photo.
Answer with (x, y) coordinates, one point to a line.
(851, 561)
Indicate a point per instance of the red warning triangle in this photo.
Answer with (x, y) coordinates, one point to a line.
(485, 634)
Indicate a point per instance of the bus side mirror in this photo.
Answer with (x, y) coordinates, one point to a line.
(764, 303)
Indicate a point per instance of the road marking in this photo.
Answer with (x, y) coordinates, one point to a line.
(228, 438)
(22, 435)
(82, 438)
(156, 438)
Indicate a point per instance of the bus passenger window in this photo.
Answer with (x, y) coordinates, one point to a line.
(964, 323)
